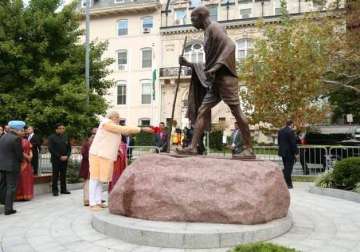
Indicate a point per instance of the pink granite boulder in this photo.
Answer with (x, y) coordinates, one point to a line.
(201, 189)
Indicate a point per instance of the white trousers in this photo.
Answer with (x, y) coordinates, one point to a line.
(95, 192)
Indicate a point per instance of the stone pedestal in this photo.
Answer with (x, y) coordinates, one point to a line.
(201, 189)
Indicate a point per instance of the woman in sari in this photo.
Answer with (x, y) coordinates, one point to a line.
(119, 165)
(84, 166)
(25, 187)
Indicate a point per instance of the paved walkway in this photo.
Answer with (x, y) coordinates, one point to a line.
(63, 224)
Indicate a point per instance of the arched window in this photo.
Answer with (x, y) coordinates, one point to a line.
(244, 48)
(195, 53)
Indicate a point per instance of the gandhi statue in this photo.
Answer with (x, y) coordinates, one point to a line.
(215, 81)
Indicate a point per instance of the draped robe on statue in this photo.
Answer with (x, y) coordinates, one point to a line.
(219, 49)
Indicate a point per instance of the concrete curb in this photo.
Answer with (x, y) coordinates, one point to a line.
(336, 193)
(186, 235)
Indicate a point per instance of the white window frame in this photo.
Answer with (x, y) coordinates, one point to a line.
(117, 27)
(144, 119)
(83, 3)
(180, 21)
(217, 11)
(121, 83)
(122, 67)
(250, 15)
(142, 57)
(246, 48)
(149, 83)
(146, 29)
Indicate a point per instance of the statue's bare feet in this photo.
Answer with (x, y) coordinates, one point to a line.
(245, 154)
(186, 151)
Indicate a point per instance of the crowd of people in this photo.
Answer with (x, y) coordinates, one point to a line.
(105, 155)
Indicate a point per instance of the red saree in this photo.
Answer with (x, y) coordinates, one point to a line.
(119, 165)
(25, 187)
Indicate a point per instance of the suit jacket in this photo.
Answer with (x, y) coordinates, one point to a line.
(11, 152)
(36, 145)
(59, 145)
(287, 143)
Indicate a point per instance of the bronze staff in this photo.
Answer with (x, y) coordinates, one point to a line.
(176, 92)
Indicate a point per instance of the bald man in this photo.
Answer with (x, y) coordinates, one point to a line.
(218, 78)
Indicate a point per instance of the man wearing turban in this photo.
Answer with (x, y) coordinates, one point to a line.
(11, 155)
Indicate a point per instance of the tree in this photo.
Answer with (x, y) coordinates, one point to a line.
(344, 77)
(42, 68)
(282, 77)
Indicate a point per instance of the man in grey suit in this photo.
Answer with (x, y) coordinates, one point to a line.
(11, 155)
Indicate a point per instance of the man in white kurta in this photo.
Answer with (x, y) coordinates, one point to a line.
(103, 153)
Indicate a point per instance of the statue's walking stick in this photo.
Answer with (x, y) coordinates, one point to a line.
(173, 106)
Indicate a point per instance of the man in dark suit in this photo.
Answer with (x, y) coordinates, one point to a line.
(288, 150)
(11, 155)
(60, 150)
(35, 147)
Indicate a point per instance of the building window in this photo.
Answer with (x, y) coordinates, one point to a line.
(244, 48)
(122, 122)
(146, 59)
(83, 3)
(122, 60)
(144, 122)
(277, 11)
(213, 10)
(195, 3)
(146, 90)
(121, 93)
(122, 27)
(245, 13)
(147, 24)
(180, 16)
(195, 53)
(245, 1)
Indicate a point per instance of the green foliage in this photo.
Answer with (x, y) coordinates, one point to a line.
(325, 180)
(42, 68)
(347, 173)
(261, 247)
(72, 172)
(144, 139)
(282, 76)
(304, 178)
(357, 188)
(215, 140)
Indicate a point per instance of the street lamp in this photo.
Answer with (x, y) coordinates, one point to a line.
(87, 50)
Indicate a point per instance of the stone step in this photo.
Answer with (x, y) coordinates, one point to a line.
(186, 235)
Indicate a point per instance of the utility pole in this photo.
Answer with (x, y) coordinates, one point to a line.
(87, 50)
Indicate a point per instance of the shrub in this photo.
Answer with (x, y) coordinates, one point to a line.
(347, 173)
(144, 139)
(261, 247)
(357, 188)
(72, 172)
(325, 180)
(215, 140)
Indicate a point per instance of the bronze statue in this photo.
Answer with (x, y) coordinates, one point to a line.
(215, 81)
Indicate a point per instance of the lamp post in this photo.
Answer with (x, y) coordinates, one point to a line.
(87, 50)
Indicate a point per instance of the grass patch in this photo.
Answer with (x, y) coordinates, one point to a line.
(261, 247)
(304, 178)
